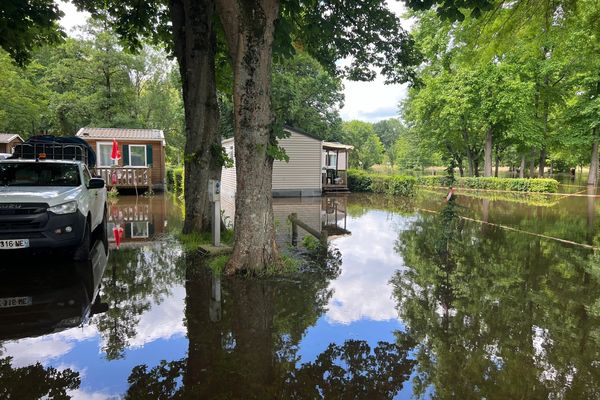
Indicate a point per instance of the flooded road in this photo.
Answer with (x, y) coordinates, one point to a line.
(475, 298)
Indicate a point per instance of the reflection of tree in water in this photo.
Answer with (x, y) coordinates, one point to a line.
(497, 314)
(246, 346)
(134, 279)
(35, 381)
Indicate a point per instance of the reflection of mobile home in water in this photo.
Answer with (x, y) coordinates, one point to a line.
(320, 214)
(142, 219)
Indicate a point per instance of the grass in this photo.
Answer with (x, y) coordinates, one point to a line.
(192, 241)
(217, 264)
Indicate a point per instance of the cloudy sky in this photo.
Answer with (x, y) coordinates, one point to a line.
(368, 101)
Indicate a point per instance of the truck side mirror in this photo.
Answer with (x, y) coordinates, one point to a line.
(96, 183)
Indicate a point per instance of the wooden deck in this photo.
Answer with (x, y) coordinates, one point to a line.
(125, 177)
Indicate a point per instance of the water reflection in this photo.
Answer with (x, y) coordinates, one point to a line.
(137, 220)
(46, 299)
(249, 347)
(52, 297)
(498, 314)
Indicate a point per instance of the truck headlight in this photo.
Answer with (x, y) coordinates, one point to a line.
(66, 208)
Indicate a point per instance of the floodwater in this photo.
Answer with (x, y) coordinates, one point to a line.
(468, 299)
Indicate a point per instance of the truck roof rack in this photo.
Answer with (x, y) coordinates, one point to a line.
(56, 148)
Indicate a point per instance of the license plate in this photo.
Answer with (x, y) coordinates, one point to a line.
(14, 244)
(9, 302)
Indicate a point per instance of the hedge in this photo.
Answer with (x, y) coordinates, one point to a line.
(492, 183)
(361, 181)
(175, 180)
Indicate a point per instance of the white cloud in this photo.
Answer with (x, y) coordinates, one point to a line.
(80, 394)
(363, 291)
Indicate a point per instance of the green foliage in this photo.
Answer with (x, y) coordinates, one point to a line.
(491, 183)
(175, 180)
(36, 381)
(368, 149)
(310, 243)
(26, 24)
(192, 241)
(217, 264)
(396, 185)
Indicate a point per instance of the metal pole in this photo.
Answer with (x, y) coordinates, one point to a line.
(216, 223)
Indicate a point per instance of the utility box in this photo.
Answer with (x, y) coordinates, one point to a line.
(214, 190)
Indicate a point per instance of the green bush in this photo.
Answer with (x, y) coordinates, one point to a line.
(398, 185)
(492, 183)
(175, 180)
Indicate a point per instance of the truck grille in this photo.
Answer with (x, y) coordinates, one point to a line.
(22, 209)
(19, 226)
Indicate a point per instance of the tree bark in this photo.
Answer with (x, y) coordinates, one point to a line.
(487, 156)
(532, 164)
(522, 167)
(497, 166)
(195, 46)
(542, 165)
(593, 176)
(249, 30)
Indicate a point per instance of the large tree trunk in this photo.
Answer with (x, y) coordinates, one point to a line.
(249, 30)
(542, 165)
(195, 44)
(593, 176)
(487, 155)
(522, 167)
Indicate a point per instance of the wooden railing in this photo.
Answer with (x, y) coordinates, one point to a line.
(125, 177)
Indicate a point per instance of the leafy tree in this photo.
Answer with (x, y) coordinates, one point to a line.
(368, 149)
(35, 381)
(22, 102)
(26, 24)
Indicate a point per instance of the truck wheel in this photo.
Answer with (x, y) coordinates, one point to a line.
(82, 252)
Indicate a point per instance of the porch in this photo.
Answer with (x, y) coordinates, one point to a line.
(125, 177)
(335, 166)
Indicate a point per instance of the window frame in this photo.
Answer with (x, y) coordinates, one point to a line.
(99, 158)
(143, 146)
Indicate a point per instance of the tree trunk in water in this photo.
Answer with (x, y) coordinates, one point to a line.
(461, 169)
(249, 30)
(542, 165)
(593, 176)
(522, 167)
(532, 164)
(487, 156)
(195, 45)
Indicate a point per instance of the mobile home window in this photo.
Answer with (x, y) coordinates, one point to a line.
(137, 155)
(331, 160)
(104, 152)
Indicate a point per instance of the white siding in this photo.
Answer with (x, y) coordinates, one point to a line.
(303, 171)
(228, 175)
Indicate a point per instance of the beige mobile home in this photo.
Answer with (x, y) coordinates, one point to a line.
(314, 167)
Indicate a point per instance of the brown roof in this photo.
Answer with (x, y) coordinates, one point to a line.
(121, 134)
(8, 137)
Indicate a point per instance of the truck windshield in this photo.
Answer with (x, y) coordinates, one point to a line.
(38, 174)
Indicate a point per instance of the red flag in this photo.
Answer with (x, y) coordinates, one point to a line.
(118, 232)
(115, 154)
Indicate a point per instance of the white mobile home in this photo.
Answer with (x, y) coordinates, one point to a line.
(314, 167)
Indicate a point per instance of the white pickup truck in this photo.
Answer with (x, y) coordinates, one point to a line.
(50, 204)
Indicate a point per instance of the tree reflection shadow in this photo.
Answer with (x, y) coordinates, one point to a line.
(246, 346)
(496, 314)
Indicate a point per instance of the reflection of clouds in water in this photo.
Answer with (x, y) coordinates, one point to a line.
(162, 321)
(46, 348)
(80, 394)
(369, 262)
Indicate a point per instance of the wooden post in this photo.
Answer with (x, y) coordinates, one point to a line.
(293, 218)
(323, 238)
